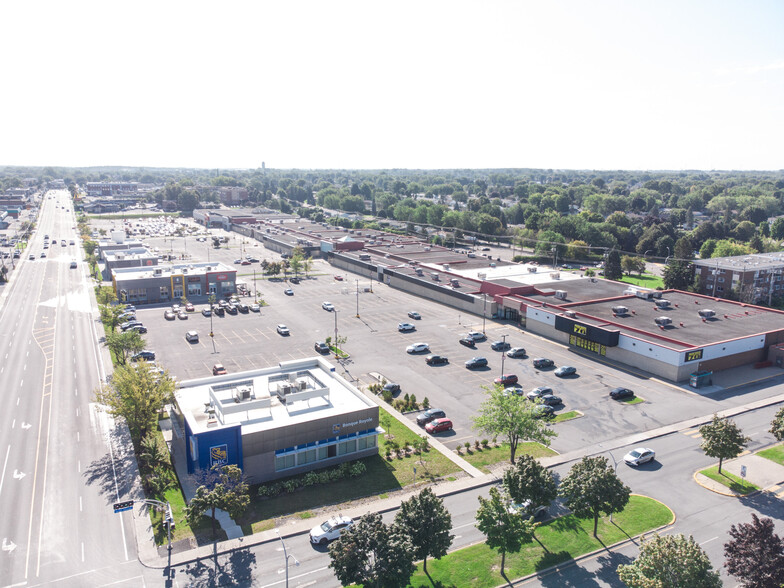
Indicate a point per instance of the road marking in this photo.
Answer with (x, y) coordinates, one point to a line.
(13, 424)
(709, 540)
(18, 398)
(79, 466)
(77, 436)
(82, 551)
(8, 546)
(471, 524)
(18, 475)
(24, 368)
(283, 581)
(77, 411)
(2, 479)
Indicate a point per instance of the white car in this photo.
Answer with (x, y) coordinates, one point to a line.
(418, 348)
(539, 392)
(477, 336)
(255, 307)
(405, 327)
(192, 337)
(330, 530)
(327, 306)
(283, 330)
(639, 455)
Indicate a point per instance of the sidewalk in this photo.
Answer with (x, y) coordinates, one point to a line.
(767, 475)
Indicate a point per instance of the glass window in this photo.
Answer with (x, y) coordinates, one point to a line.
(305, 457)
(323, 453)
(347, 447)
(284, 462)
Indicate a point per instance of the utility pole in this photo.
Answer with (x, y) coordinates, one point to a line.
(357, 298)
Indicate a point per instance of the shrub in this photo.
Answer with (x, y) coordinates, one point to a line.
(310, 479)
(476, 444)
(291, 485)
(425, 403)
(425, 443)
(495, 441)
(388, 453)
(460, 450)
(413, 402)
(485, 443)
(467, 446)
(357, 469)
(387, 396)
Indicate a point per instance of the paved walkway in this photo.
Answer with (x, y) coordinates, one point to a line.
(767, 475)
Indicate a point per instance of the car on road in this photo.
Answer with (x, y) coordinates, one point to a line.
(467, 341)
(192, 337)
(288, 292)
(526, 509)
(436, 360)
(392, 388)
(32, 256)
(506, 380)
(169, 315)
(540, 391)
(551, 399)
(499, 346)
(283, 330)
(438, 426)
(565, 370)
(621, 393)
(327, 306)
(476, 362)
(145, 355)
(43, 254)
(414, 315)
(72, 242)
(639, 455)
(405, 327)
(321, 347)
(542, 411)
(330, 530)
(430, 414)
(516, 352)
(128, 324)
(255, 307)
(189, 307)
(477, 336)
(418, 348)
(218, 370)
(206, 311)
(182, 315)
(73, 265)
(543, 362)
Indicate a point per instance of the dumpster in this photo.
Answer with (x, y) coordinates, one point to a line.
(701, 379)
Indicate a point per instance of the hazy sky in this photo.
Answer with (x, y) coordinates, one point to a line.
(329, 84)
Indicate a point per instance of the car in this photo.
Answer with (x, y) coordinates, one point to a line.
(218, 370)
(526, 509)
(74, 265)
(512, 390)
(288, 292)
(467, 341)
(565, 370)
(330, 530)
(255, 307)
(245, 262)
(543, 362)
(138, 328)
(392, 388)
(430, 414)
(144, 355)
(238, 261)
(436, 360)
(223, 303)
(321, 347)
(506, 380)
(192, 337)
(251, 259)
(231, 309)
(438, 426)
(182, 315)
(43, 254)
(639, 455)
(542, 411)
(551, 399)
(538, 392)
(189, 307)
(128, 324)
(72, 242)
(176, 308)
(327, 306)
(130, 307)
(339, 278)
(477, 336)
(206, 311)
(283, 330)
(127, 315)
(621, 393)
(418, 348)
(243, 308)
(405, 327)
(414, 315)
(499, 346)
(32, 256)
(476, 362)
(219, 310)
(516, 352)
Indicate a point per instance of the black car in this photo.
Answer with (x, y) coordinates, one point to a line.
(145, 355)
(127, 325)
(551, 400)
(467, 341)
(436, 360)
(500, 346)
(476, 362)
(429, 415)
(321, 347)
(620, 393)
(243, 308)
(138, 328)
(543, 362)
(393, 388)
(542, 411)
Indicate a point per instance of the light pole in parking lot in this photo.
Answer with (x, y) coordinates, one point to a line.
(335, 342)
(484, 312)
(211, 300)
(615, 463)
(357, 298)
(503, 355)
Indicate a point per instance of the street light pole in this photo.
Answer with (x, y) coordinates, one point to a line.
(357, 298)
(503, 355)
(286, 557)
(335, 342)
(484, 312)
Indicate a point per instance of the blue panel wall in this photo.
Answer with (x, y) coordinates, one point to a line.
(219, 446)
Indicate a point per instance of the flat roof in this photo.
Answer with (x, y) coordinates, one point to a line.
(753, 262)
(135, 253)
(167, 270)
(289, 393)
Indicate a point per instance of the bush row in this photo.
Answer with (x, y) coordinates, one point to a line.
(344, 470)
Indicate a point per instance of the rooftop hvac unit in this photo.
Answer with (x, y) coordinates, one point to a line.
(560, 294)
(662, 303)
(620, 310)
(157, 272)
(555, 275)
(531, 269)
(481, 275)
(706, 313)
(570, 313)
(662, 321)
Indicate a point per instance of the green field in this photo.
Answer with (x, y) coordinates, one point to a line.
(773, 454)
(729, 480)
(646, 281)
(567, 416)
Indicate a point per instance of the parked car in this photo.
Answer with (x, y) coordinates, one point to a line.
(477, 336)
(238, 261)
(169, 315)
(231, 309)
(551, 399)
(542, 411)
(392, 388)
(339, 278)
(414, 315)
(189, 307)
(476, 362)
(430, 414)
(516, 352)
(526, 509)
(182, 315)
(418, 348)
(141, 329)
(330, 530)
(565, 370)
(639, 455)
(405, 327)
(543, 362)
(499, 346)
(620, 393)
(512, 390)
(176, 308)
(255, 307)
(245, 262)
(43, 254)
(219, 310)
(438, 426)
(243, 308)
(251, 259)
(327, 306)
(283, 330)
(538, 392)
(206, 311)
(146, 355)
(467, 341)
(128, 324)
(192, 337)
(506, 380)
(288, 292)
(321, 347)
(436, 360)
(218, 370)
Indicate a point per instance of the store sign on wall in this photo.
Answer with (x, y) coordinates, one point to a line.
(694, 355)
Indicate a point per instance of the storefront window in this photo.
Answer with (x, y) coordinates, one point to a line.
(284, 462)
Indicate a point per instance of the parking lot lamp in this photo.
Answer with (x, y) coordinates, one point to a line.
(503, 355)
(357, 298)
(335, 342)
(484, 312)
(286, 556)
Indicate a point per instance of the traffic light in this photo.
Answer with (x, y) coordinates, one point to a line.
(121, 506)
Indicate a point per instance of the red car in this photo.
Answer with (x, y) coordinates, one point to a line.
(506, 380)
(339, 278)
(438, 426)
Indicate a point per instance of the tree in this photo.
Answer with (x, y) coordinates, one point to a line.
(723, 439)
(612, 267)
(124, 344)
(222, 488)
(106, 295)
(631, 264)
(671, 561)
(755, 554)
(511, 416)
(427, 523)
(678, 275)
(505, 528)
(777, 425)
(296, 262)
(110, 315)
(372, 553)
(529, 481)
(137, 394)
(592, 487)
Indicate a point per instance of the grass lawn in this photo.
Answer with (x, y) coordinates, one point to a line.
(566, 538)
(729, 480)
(773, 454)
(484, 457)
(633, 400)
(646, 281)
(566, 416)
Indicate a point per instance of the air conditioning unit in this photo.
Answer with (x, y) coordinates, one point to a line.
(706, 313)
(560, 294)
(662, 321)
(620, 310)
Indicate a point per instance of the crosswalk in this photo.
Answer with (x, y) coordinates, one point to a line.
(776, 490)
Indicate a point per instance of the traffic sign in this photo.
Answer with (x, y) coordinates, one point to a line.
(121, 506)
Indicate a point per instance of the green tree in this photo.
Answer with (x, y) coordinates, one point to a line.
(612, 266)
(427, 522)
(137, 394)
(89, 246)
(505, 528)
(530, 482)
(592, 487)
(110, 315)
(513, 417)
(296, 262)
(755, 554)
(123, 345)
(372, 554)
(223, 488)
(670, 561)
(723, 439)
(777, 425)
(631, 264)
(106, 295)
(678, 274)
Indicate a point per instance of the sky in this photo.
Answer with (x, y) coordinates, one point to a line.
(605, 85)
